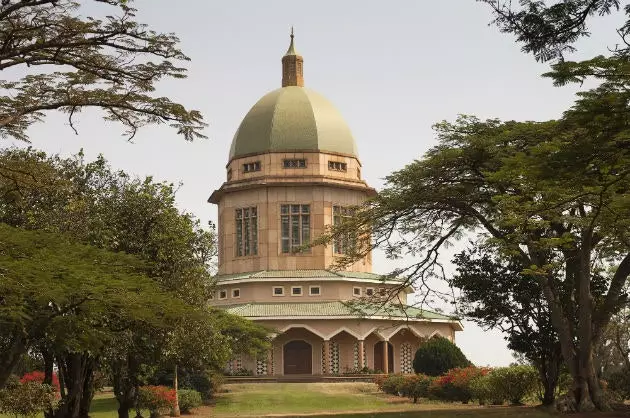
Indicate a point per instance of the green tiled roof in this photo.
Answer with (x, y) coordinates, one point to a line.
(302, 274)
(334, 308)
(290, 119)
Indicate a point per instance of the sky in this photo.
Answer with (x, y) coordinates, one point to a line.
(393, 69)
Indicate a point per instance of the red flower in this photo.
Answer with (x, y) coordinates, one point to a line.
(37, 376)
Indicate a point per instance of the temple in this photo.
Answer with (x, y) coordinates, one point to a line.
(293, 169)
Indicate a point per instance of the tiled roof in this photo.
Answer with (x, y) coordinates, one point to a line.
(302, 274)
(334, 308)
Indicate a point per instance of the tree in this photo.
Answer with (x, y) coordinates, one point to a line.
(554, 195)
(96, 205)
(71, 62)
(73, 298)
(494, 294)
(437, 356)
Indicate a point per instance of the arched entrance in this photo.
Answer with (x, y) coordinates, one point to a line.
(378, 357)
(298, 358)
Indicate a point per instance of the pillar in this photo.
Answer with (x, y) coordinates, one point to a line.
(385, 357)
(326, 357)
(361, 359)
(270, 370)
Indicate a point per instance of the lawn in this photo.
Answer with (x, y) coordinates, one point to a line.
(346, 399)
(321, 400)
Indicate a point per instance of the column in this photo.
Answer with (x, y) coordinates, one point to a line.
(270, 370)
(326, 357)
(361, 359)
(385, 357)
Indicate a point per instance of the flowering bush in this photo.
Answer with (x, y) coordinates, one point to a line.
(37, 376)
(26, 399)
(156, 399)
(454, 385)
(416, 386)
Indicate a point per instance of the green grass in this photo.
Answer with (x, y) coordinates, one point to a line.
(320, 400)
(346, 399)
(290, 398)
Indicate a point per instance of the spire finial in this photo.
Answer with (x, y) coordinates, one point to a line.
(292, 74)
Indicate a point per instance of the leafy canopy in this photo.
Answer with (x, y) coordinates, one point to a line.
(67, 61)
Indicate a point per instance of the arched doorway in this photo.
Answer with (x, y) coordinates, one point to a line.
(298, 358)
(378, 357)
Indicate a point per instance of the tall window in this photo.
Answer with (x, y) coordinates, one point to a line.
(246, 231)
(342, 244)
(295, 225)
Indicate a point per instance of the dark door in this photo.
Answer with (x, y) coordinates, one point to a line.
(298, 358)
(378, 357)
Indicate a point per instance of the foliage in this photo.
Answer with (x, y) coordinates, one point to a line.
(91, 203)
(68, 61)
(156, 398)
(482, 391)
(619, 382)
(27, 399)
(495, 294)
(37, 376)
(438, 355)
(206, 382)
(454, 385)
(188, 399)
(513, 383)
(416, 386)
(553, 195)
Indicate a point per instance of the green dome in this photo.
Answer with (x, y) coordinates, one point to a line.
(292, 119)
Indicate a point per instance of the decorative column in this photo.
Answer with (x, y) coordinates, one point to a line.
(326, 357)
(361, 359)
(385, 357)
(270, 370)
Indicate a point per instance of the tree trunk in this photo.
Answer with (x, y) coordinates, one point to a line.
(77, 371)
(125, 384)
(10, 357)
(175, 412)
(88, 389)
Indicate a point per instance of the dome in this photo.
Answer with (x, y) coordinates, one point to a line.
(292, 118)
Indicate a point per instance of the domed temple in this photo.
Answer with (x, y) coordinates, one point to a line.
(293, 169)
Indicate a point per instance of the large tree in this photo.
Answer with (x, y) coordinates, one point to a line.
(555, 195)
(74, 299)
(96, 205)
(66, 59)
(496, 295)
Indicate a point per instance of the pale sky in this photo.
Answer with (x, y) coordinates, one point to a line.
(391, 68)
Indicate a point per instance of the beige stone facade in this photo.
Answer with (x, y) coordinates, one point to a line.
(275, 201)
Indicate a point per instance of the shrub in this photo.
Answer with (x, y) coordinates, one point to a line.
(513, 383)
(437, 356)
(188, 399)
(482, 391)
(619, 383)
(156, 399)
(240, 372)
(416, 386)
(454, 385)
(27, 399)
(393, 384)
